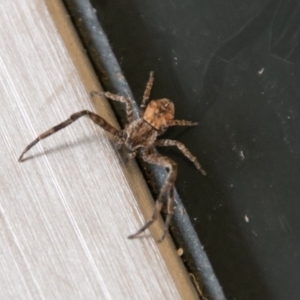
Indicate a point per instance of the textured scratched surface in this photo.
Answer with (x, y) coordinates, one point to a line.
(66, 211)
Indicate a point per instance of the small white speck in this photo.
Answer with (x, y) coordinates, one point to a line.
(261, 71)
(247, 219)
(242, 156)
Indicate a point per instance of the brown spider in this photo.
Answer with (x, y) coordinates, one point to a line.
(141, 134)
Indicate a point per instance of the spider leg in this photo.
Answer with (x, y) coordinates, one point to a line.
(147, 92)
(183, 149)
(150, 156)
(170, 212)
(94, 117)
(108, 95)
(182, 123)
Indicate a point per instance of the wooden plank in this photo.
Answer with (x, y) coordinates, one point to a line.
(66, 211)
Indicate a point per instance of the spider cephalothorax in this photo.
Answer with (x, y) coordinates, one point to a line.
(141, 135)
(159, 113)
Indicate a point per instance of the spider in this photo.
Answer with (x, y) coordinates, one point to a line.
(141, 135)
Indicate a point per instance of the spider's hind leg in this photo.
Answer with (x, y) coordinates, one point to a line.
(184, 150)
(167, 191)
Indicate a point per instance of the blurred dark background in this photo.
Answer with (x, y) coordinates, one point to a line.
(233, 66)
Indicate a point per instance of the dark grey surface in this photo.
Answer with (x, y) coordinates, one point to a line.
(233, 66)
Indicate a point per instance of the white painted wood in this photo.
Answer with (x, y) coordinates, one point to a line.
(66, 211)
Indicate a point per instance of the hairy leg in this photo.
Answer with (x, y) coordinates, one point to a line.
(94, 117)
(108, 95)
(183, 149)
(170, 212)
(147, 92)
(167, 191)
(182, 123)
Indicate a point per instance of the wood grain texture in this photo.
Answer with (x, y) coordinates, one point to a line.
(66, 211)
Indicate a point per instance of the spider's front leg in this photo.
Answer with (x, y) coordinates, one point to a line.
(167, 191)
(147, 93)
(94, 117)
(108, 95)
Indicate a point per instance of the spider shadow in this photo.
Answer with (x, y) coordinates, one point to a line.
(74, 144)
(141, 236)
